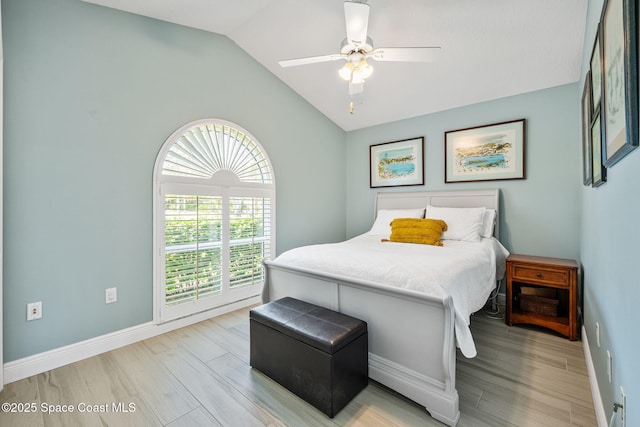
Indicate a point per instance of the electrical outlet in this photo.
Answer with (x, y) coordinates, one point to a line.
(598, 334)
(34, 310)
(609, 365)
(111, 295)
(623, 408)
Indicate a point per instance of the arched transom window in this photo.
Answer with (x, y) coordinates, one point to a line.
(214, 218)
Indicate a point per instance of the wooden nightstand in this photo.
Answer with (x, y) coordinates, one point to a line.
(543, 291)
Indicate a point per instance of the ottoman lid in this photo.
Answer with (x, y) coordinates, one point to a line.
(319, 327)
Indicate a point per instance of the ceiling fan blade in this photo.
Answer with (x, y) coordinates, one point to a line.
(406, 54)
(357, 19)
(310, 60)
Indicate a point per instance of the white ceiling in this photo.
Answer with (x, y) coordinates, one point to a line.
(490, 48)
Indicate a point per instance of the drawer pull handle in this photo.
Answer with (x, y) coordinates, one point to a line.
(538, 274)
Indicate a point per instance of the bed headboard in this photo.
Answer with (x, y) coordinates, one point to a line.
(454, 199)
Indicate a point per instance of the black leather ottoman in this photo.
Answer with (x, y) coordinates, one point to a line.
(318, 354)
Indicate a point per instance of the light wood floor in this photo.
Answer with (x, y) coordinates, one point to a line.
(199, 376)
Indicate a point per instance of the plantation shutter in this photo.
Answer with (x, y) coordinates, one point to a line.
(250, 231)
(213, 221)
(193, 226)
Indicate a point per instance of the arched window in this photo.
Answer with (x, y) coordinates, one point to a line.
(214, 218)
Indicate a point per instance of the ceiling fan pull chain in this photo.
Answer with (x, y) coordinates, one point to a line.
(355, 92)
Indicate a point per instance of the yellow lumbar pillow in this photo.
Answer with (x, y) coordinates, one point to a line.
(417, 230)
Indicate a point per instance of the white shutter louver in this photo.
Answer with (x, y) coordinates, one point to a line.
(203, 150)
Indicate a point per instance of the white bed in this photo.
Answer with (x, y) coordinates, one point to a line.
(416, 311)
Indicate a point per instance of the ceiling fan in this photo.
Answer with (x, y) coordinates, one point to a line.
(358, 47)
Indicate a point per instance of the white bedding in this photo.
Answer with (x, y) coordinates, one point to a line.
(464, 270)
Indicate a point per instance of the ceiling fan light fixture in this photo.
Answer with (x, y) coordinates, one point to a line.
(357, 77)
(356, 73)
(346, 71)
(365, 69)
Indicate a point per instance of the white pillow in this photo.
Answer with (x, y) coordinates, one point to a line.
(488, 223)
(382, 224)
(462, 223)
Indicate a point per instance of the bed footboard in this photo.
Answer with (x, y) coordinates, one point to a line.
(411, 335)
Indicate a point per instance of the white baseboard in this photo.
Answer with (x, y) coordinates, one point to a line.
(598, 406)
(42, 362)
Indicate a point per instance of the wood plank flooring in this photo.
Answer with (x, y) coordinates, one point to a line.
(200, 376)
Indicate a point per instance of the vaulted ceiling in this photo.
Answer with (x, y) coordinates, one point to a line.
(490, 48)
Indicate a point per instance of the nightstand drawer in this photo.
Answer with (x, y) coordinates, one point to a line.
(558, 277)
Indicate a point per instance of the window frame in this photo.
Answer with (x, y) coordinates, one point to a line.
(225, 185)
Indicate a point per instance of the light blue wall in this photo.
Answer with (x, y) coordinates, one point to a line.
(90, 96)
(539, 214)
(609, 252)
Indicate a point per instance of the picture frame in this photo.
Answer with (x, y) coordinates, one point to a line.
(397, 163)
(619, 110)
(485, 153)
(587, 150)
(599, 171)
(596, 73)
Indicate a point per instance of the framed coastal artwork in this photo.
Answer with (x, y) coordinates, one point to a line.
(619, 113)
(587, 152)
(595, 75)
(397, 163)
(598, 171)
(485, 153)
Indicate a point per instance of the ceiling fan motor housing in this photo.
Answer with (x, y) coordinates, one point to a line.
(347, 48)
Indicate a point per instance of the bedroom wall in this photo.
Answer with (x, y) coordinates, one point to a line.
(90, 96)
(538, 214)
(609, 255)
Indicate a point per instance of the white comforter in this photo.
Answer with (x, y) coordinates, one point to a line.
(465, 271)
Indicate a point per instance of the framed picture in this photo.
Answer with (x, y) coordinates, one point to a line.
(619, 113)
(599, 171)
(397, 163)
(485, 153)
(587, 161)
(596, 73)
